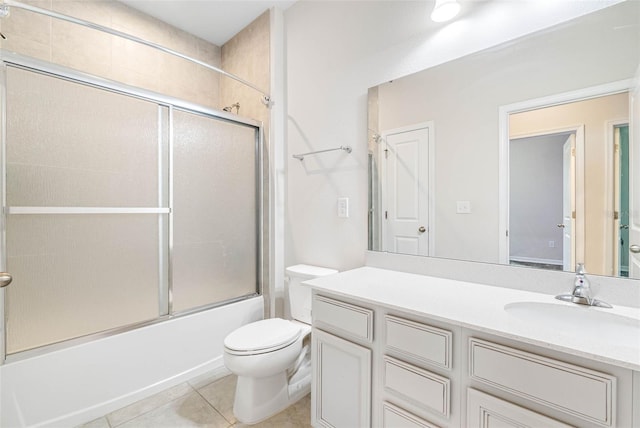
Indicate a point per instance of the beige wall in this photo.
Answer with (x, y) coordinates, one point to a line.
(247, 55)
(112, 57)
(593, 114)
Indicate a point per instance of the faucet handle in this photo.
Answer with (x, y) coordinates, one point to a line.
(580, 270)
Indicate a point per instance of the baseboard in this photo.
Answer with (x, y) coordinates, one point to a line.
(537, 261)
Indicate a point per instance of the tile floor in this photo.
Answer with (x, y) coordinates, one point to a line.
(205, 401)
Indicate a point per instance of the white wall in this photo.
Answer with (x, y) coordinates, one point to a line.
(334, 52)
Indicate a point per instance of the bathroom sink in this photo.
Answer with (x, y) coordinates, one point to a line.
(581, 320)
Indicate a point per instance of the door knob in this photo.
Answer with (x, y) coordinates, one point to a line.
(634, 248)
(5, 279)
(560, 225)
(422, 229)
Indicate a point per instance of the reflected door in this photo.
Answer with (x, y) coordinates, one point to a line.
(634, 182)
(621, 201)
(406, 192)
(568, 202)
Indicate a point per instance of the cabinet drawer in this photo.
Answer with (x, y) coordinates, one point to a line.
(395, 417)
(575, 390)
(343, 318)
(417, 386)
(484, 411)
(428, 344)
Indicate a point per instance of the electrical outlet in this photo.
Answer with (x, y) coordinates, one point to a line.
(552, 244)
(343, 207)
(463, 207)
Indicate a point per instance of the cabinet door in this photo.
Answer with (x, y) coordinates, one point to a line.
(487, 411)
(341, 382)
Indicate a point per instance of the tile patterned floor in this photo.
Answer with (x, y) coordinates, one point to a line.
(205, 401)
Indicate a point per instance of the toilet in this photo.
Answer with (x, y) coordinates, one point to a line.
(272, 357)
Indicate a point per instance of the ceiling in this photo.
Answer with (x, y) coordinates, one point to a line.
(216, 21)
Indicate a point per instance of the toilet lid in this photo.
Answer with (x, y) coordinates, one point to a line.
(262, 335)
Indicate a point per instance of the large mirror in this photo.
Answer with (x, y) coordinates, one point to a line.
(518, 154)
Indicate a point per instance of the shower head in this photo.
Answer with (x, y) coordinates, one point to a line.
(231, 107)
(4, 12)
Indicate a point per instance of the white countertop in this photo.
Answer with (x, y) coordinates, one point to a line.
(481, 307)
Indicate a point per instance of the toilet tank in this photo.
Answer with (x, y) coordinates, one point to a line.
(300, 295)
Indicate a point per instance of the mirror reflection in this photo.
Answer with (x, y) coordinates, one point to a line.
(518, 154)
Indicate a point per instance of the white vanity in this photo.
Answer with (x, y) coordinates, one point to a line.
(393, 349)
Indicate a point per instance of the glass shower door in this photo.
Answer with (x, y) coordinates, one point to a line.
(215, 211)
(86, 209)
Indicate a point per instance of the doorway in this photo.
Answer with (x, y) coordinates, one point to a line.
(591, 222)
(542, 220)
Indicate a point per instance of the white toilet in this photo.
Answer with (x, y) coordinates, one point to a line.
(272, 357)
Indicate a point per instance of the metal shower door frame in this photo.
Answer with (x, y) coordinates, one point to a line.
(8, 59)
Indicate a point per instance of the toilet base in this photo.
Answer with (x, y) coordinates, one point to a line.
(258, 399)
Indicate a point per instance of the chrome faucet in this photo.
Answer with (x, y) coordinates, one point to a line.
(581, 293)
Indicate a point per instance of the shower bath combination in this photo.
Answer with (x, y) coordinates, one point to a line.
(92, 219)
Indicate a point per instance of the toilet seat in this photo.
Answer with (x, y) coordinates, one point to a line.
(262, 336)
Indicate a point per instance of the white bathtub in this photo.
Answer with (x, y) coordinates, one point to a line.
(78, 384)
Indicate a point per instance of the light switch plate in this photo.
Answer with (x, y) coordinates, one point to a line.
(343, 207)
(463, 207)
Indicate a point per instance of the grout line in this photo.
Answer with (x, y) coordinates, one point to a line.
(150, 410)
(231, 424)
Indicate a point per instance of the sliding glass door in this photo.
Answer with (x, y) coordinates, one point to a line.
(119, 209)
(215, 223)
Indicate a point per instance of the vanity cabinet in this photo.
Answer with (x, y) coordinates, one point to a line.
(378, 366)
(341, 364)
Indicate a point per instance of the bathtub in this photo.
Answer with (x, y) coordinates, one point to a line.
(77, 384)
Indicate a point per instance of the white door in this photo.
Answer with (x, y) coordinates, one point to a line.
(406, 194)
(634, 181)
(568, 202)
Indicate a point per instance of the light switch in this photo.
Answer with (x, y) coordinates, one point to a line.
(343, 207)
(463, 207)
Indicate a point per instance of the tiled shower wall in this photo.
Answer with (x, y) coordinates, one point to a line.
(247, 55)
(112, 57)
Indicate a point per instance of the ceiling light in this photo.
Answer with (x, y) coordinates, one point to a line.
(445, 10)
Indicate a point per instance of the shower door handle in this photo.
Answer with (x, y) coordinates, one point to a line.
(5, 279)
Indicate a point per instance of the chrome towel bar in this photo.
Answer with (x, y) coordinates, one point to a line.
(302, 155)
